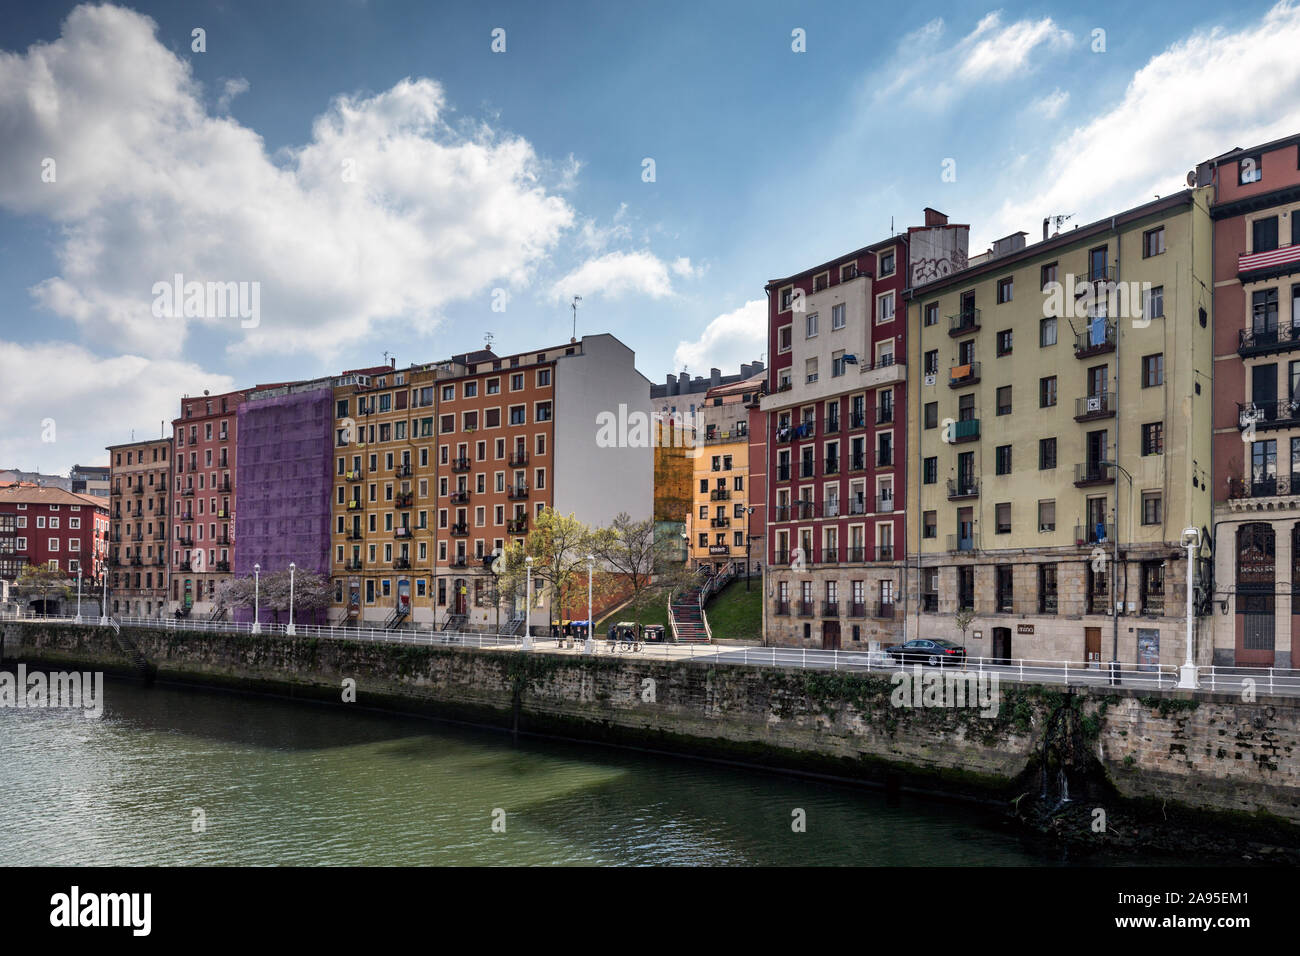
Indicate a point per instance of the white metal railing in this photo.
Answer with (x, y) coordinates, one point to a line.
(1211, 678)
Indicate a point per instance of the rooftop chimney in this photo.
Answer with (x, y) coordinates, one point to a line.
(934, 217)
(715, 377)
(1008, 244)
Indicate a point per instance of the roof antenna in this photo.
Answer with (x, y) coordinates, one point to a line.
(576, 300)
(487, 341)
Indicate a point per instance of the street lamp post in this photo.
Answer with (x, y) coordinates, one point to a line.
(589, 644)
(1114, 568)
(290, 630)
(1187, 673)
(103, 601)
(528, 604)
(257, 598)
(78, 620)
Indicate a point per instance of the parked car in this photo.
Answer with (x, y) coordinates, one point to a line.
(932, 651)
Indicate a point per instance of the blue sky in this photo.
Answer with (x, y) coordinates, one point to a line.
(522, 171)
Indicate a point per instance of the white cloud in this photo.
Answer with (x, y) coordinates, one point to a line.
(231, 89)
(149, 184)
(617, 274)
(682, 266)
(929, 75)
(1197, 99)
(93, 402)
(1050, 105)
(727, 341)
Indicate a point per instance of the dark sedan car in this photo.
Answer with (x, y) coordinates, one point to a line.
(935, 652)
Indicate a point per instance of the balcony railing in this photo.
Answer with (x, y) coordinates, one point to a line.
(1265, 415)
(781, 558)
(354, 535)
(719, 494)
(1153, 604)
(1095, 340)
(518, 459)
(858, 462)
(517, 525)
(832, 425)
(885, 610)
(401, 564)
(830, 608)
(355, 505)
(782, 472)
(832, 466)
(884, 503)
(353, 564)
(1268, 340)
(884, 415)
(805, 510)
(460, 497)
(963, 488)
(517, 492)
(970, 542)
(830, 556)
(187, 566)
(185, 542)
(1268, 486)
(965, 430)
(405, 500)
(187, 492)
(805, 609)
(1092, 473)
(1086, 534)
(720, 523)
(960, 376)
(458, 562)
(967, 320)
(459, 530)
(884, 457)
(403, 470)
(783, 608)
(401, 531)
(352, 476)
(857, 610)
(857, 419)
(1088, 407)
(1271, 261)
(223, 565)
(460, 465)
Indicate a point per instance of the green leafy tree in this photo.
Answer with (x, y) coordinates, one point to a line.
(559, 545)
(43, 583)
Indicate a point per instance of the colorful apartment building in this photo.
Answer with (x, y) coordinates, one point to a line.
(382, 495)
(836, 465)
(1256, 214)
(54, 528)
(1061, 421)
(139, 491)
(203, 500)
(719, 527)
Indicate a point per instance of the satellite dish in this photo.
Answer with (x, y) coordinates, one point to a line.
(1191, 178)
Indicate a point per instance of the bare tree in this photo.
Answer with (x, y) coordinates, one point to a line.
(644, 562)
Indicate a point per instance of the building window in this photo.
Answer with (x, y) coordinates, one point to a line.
(1152, 507)
(1003, 459)
(1002, 517)
(1153, 370)
(1047, 515)
(1004, 400)
(932, 362)
(1005, 289)
(885, 308)
(783, 338)
(1046, 454)
(1047, 589)
(1046, 332)
(931, 414)
(1153, 439)
(1047, 275)
(886, 264)
(1005, 589)
(1047, 391)
(838, 316)
(811, 325)
(932, 313)
(1004, 342)
(966, 588)
(1153, 242)
(930, 471)
(1154, 308)
(930, 525)
(810, 370)
(1153, 587)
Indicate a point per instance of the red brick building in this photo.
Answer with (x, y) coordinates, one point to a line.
(139, 489)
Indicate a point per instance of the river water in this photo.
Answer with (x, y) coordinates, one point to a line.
(283, 782)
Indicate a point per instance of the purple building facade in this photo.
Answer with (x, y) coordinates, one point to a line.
(284, 473)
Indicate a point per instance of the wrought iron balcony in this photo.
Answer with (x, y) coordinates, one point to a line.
(355, 504)
(403, 470)
(1265, 486)
(782, 472)
(1085, 534)
(187, 492)
(517, 492)
(517, 525)
(806, 609)
(959, 376)
(187, 566)
(832, 425)
(401, 531)
(829, 556)
(405, 500)
(964, 322)
(518, 458)
(223, 565)
(1089, 407)
(830, 608)
(1266, 415)
(968, 487)
(781, 557)
(401, 564)
(885, 610)
(458, 562)
(460, 465)
(719, 494)
(884, 414)
(353, 564)
(185, 542)
(832, 466)
(354, 535)
(969, 542)
(353, 476)
(783, 608)
(1095, 341)
(459, 530)
(857, 420)
(858, 462)
(459, 498)
(1092, 473)
(720, 523)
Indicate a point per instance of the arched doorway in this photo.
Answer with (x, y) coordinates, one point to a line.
(1256, 590)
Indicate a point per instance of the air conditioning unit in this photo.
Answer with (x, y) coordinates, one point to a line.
(1094, 403)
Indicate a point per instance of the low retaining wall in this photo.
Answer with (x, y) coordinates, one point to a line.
(1211, 752)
